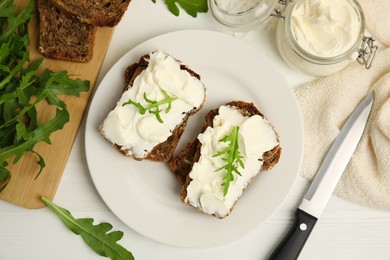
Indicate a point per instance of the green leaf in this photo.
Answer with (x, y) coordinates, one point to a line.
(191, 7)
(4, 68)
(15, 22)
(6, 8)
(22, 89)
(40, 134)
(96, 236)
(5, 177)
(41, 163)
(153, 108)
(60, 83)
(15, 70)
(232, 158)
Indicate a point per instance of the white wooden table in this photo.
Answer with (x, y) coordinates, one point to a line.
(345, 231)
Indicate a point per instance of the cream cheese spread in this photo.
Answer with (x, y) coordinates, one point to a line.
(256, 136)
(138, 133)
(325, 28)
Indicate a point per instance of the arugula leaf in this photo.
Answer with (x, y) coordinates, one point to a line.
(232, 158)
(191, 7)
(153, 108)
(5, 178)
(14, 22)
(22, 89)
(40, 134)
(95, 236)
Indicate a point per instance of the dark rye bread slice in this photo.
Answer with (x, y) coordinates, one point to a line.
(181, 164)
(162, 152)
(97, 12)
(62, 36)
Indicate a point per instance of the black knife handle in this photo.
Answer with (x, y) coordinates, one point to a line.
(291, 245)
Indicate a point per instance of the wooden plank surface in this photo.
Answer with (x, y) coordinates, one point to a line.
(24, 190)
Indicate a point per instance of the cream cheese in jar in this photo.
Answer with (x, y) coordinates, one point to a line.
(320, 37)
(325, 28)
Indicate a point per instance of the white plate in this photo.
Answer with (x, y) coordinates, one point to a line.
(145, 195)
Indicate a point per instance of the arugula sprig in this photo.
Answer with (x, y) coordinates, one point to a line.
(154, 107)
(22, 90)
(232, 157)
(191, 7)
(95, 236)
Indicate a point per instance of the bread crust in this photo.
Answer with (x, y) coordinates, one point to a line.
(181, 164)
(164, 151)
(98, 12)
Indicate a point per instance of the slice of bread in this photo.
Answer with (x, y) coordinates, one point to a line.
(97, 12)
(62, 36)
(164, 150)
(183, 163)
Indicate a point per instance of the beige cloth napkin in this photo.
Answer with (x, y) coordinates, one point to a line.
(377, 17)
(327, 103)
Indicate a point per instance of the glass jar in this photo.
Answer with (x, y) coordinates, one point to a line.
(298, 53)
(242, 15)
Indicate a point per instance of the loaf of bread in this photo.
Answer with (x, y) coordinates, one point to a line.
(62, 36)
(200, 170)
(97, 12)
(160, 95)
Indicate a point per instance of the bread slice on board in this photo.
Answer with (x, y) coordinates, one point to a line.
(96, 12)
(139, 72)
(182, 164)
(62, 36)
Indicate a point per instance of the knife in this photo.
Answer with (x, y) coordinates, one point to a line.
(329, 173)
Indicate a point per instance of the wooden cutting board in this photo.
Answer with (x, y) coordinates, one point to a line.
(24, 190)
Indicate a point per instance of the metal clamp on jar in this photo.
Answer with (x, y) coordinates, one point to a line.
(319, 37)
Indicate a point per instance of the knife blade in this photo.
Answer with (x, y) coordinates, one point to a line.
(324, 183)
